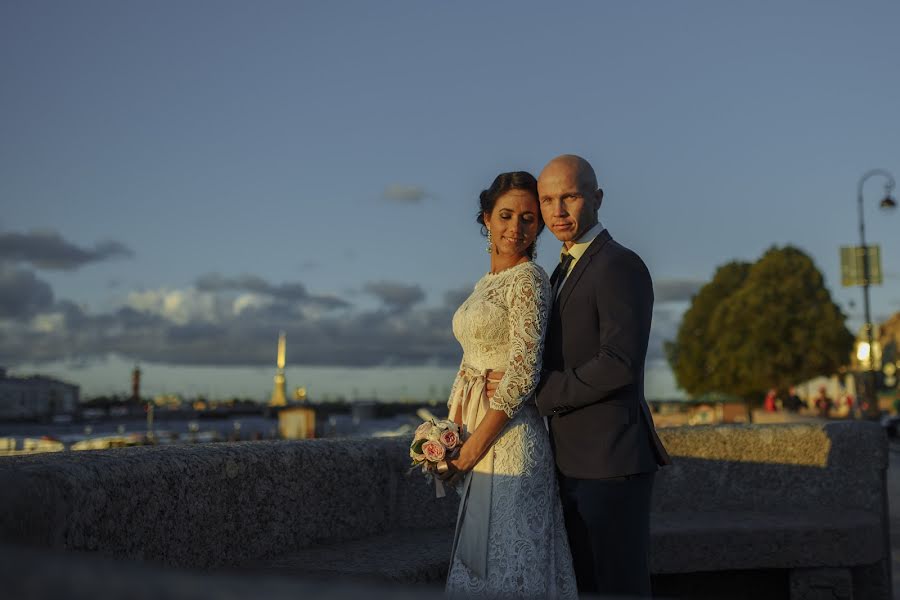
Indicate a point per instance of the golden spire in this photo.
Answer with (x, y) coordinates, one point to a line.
(281, 340)
(279, 395)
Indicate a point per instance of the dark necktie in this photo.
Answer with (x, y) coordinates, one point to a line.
(559, 275)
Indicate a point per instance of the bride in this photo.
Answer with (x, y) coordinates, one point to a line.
(510, 536)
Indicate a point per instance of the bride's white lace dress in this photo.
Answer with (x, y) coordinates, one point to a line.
(510, 538)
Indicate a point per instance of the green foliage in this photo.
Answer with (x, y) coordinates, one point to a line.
(689, 355)
(753, 327)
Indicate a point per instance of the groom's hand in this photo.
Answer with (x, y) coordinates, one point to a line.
(492, 382)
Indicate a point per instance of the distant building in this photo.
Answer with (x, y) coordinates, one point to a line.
(883, 357)
(169, 401)
(889, 336)
(136, 384)
(36, 397)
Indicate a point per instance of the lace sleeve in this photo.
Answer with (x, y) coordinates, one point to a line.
(529, 301)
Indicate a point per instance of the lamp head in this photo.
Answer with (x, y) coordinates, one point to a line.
(888, 203)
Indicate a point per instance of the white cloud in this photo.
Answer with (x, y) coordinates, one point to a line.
(48, 323)
(245, 301)
(229, 325)
(179, 306)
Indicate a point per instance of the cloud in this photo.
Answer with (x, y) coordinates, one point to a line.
(48, 322)
(403, 193)
(363, 339)
(289, 292)
(221, 322)
(48, 250)
(664, 327)
(234, 321)
(22, 294)
(454, 298)
(179, 306)
(666, 321)
(675, 289)
(395, 296)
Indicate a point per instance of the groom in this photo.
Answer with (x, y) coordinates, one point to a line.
(592, 386)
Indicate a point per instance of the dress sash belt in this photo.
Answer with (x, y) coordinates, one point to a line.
(470, 542)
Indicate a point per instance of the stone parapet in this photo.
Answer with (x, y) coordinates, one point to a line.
(809, 499)
(215, 505)
(774, 468)
(805, 500)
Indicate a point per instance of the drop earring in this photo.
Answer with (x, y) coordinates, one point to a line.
(490, 244)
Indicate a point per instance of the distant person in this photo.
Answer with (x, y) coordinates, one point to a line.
(510, 496)
(822, 403)
(793, 403)
(592, 387)
(849, 401)
(770, 404)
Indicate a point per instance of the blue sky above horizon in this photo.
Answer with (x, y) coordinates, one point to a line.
(180, 181)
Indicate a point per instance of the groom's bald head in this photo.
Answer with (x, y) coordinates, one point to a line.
(573, 165)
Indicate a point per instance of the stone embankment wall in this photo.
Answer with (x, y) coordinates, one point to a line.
(818, 488)
(215, 505)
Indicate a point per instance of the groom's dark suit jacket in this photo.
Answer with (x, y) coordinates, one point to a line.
(592, 386)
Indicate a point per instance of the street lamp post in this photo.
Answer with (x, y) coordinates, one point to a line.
(887, 203)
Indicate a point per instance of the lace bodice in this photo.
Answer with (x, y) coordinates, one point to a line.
(501, 326)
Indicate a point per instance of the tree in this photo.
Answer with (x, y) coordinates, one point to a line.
(773, 327)
(689, 355)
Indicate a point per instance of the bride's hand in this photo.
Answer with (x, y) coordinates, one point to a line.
(465, 460)
(450, 476)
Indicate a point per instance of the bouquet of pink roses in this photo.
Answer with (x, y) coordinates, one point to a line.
(434, 442)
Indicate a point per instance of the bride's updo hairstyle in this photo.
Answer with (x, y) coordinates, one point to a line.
(504, 182)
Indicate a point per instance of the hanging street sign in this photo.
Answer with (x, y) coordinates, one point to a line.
(852, 268)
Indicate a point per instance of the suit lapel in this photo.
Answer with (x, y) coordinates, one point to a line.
(581, 266)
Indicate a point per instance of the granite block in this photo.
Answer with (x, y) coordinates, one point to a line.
(690, 542)
(405, 556)
(216, 504)
(821, 584)
(79, 576)
(794, 467)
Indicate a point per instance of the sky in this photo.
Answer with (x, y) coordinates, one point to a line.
(180, 181)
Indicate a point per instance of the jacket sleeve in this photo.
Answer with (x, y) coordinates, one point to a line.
(623, 297)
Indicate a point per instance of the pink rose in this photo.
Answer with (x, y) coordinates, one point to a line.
(433, 451)
(449, 439)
